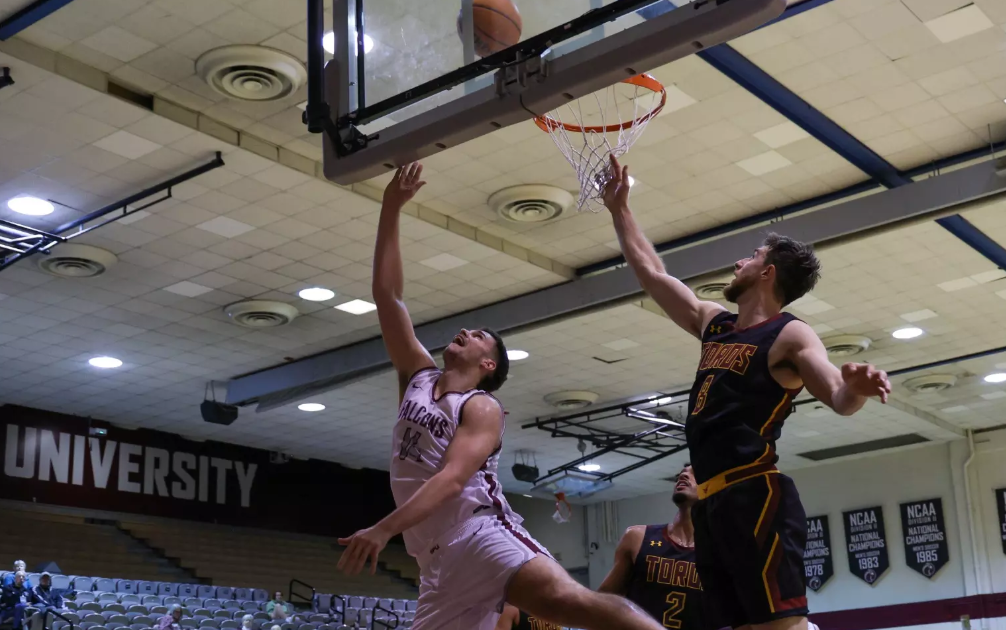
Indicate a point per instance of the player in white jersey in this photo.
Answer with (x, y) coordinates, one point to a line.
(472, 552)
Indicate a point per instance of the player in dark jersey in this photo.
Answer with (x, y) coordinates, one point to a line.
(750, 528)
(655, 565)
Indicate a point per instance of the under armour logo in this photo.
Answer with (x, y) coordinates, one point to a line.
(656, 543)
(435, 549)
(416, 386)
(716, 329)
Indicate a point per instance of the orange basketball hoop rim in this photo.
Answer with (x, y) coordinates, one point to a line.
(547, 123)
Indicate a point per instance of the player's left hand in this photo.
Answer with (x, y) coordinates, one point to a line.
(361, 546)
(863, 379)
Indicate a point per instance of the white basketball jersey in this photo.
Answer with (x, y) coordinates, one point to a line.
(422, 434)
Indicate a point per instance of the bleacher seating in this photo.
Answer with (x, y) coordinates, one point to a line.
(238, 562)
(249, 559)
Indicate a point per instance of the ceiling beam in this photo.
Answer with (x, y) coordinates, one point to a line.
(923, 200)
(27, 16)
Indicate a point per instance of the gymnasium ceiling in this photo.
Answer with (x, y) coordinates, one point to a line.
(264, 226)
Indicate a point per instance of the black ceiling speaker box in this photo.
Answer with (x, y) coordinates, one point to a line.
(218, 413)
(523, 472)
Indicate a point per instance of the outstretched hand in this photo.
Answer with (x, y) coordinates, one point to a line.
(863, 379)
(404, 186)
(361, 546)
(616, 191)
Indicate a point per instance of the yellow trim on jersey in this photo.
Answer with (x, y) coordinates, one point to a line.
(720, 482)
(775, 412)
(764, 574)
(764, 508)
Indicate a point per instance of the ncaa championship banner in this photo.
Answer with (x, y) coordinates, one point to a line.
(54, 459)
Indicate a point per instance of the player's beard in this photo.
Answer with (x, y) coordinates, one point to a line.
(736, 289)
(679, 498)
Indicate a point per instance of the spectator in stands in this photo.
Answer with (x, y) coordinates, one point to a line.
(172, 620)
(43, 597)
(19, 565)
(247, 622)
(277, 609)
(14, 600)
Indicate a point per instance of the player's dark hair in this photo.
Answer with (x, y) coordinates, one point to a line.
(797, 268)
(495, 379)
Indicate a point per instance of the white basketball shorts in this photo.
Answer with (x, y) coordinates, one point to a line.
(464, 574)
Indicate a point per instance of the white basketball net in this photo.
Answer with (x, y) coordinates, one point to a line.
(591, 129)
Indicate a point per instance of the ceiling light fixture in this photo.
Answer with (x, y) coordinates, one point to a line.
(357, 307)
(311, 407)
(328, 43)
(105, 362)
(996, 377)
(316, 294)
(516, 355)
(32, 206)
(907, 333)
(589, 467)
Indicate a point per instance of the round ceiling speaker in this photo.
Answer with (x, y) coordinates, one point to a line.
(251, 73)
(930, 383)
(531, 203)
(72, 260)
(846, 345)
(261, 313)
(710, 290)
(570, 400)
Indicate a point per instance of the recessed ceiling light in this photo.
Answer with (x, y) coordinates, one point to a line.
(516, 355)
(311, 407)
(32, 206)
(357, 307)
(529, 496)
(105, 362)
(996, 377)
(907, 333)
(589, 467)
(316, 294)
(328, 43)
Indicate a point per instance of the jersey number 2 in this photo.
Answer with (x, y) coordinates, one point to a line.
(700, 398)
(410, 445)
(677, 602)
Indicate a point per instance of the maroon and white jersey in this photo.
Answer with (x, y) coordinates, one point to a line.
(422, 434)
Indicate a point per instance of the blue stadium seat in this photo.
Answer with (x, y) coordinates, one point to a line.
(105, 585)
(207, 591)
(147, 588)
(188, 590)
(107, 598)
(83, 584)
(61, 582)
(126, 586)
(196, 602)
(225, 592)
(129, 599)
(152, 600)
(260, 595)
(242, 594)
(212, 604)
(167, 588)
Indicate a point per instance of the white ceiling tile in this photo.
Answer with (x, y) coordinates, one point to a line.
(918, 316)
(959, 24)
(444, 262)
(224, 226)
(764, 163)
(127, 145)
(118, 43)
(957, 285)
(188, 289)
(782, 135)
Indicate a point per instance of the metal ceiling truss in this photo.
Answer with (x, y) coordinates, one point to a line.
(663, 435)
(18, 241)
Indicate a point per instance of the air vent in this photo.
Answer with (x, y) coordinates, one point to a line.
(261, 314)
(930, 383)
(570, 400)
(865, 447)
(76, 261)
(847, 345)
(711, 290)
(251, 73)
(531, 203)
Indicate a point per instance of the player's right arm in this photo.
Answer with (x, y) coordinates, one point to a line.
(672, 295)
(617, 581)
(388, 286)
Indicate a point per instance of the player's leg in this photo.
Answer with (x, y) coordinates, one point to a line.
(544, 590)
(719, 604)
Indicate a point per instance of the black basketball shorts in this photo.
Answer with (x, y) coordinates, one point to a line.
(749, 542)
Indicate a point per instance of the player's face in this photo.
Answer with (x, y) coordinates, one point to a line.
(747, 273)
(686, 491)
(472, 347)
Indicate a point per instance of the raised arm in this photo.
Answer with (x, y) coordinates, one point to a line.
(672, 295)
(845, 390)
(617, 581)
(477, 437)
(406, 353)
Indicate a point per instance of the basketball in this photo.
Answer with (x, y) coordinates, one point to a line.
(497, 26)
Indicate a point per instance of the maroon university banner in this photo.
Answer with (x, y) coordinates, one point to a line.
(51, 458)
